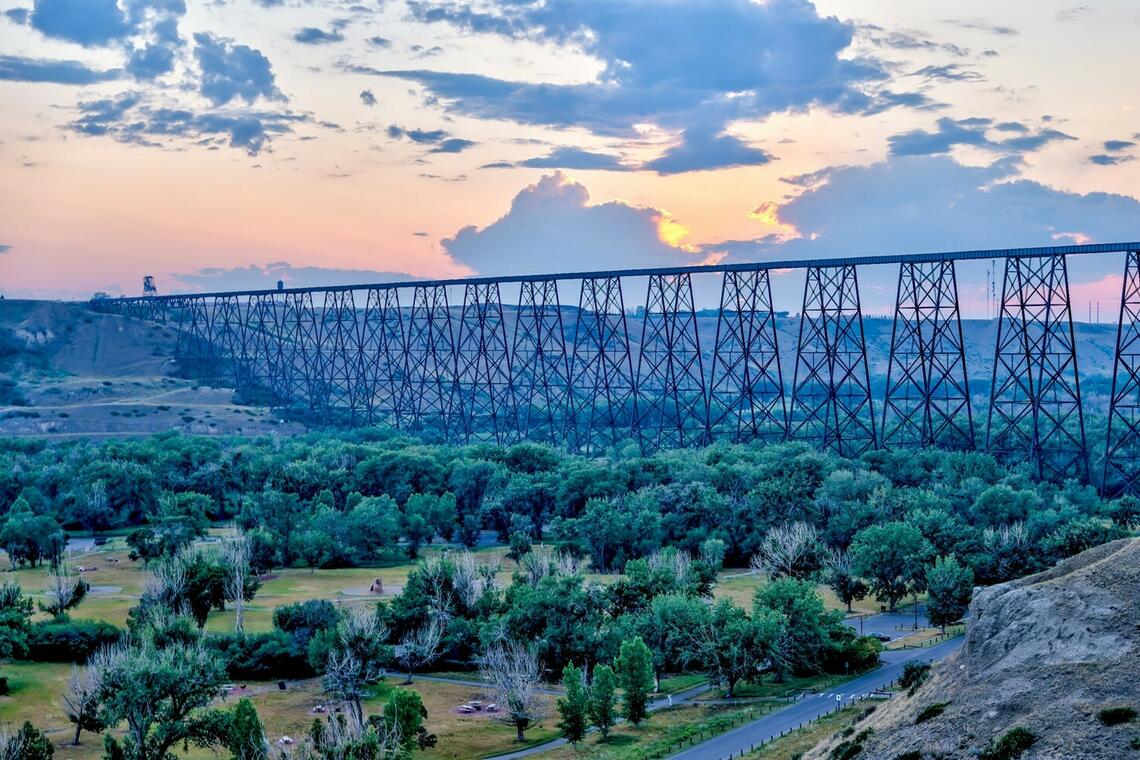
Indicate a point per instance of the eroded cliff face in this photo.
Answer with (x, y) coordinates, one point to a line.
(1047, 653)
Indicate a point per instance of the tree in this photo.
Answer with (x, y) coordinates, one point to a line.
(892, 556)
(404, 715)
(949, 587)
(245, 736)
(635, 675)
(793, 549)
(513, 676)
(602, 713)
(26, 744)
(81, 703)
(420, 647)
(840, 576)
(65, 590)
(808, 626)
(356, 658)
(236, 554)
(731, 647)
(573, 707)
(162, 694)
(520, 538)
(30, 538)
(15, 613)
(417, 521)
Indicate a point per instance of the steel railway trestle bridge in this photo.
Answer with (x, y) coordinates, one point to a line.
(355, 354)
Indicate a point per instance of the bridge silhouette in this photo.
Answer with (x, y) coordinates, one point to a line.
(541, 370)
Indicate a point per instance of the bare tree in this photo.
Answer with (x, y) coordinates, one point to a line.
(472, 578)
(679, 564)
(236, 553)
(356, 658)
(420, 647)
(166, 585)
(438, 575)
(339, 738)
(792, 549)
(81, 702)
(65, 589)
(539, 563)
(513, 677)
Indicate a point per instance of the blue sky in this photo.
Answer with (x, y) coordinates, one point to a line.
(236, 142)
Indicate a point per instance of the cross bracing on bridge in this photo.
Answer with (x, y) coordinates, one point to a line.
(484, 369)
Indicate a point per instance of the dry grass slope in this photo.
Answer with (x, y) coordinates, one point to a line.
(1047, 653)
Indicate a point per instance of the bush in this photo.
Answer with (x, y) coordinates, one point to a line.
(302, 620)
(1115, 716)
(914, 754)
(930, 712)
(1011, 744)
(914, 675)
(261, 656)
(1135, 744)
(67, 640)
(846, 750)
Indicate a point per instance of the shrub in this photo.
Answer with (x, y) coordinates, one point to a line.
(67, 640)
(846, 750)
(1135, 744)
(261, 656)
(1010, 745)
(914, 675)
(930, 712)
(914, 754)
(1115, 716)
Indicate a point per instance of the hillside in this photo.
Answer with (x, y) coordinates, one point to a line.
(66, 371)
(1047, 653)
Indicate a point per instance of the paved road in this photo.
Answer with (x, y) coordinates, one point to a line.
(893, 624)
(679, 698)
(791, 717)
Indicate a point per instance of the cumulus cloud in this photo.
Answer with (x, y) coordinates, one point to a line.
(18, 15)
(702, 148)
(17, 69)
(916, 203)
(677, 64)
(151, 61)
(231, 71)
(552, 226)
(974, 131)
(254, 277)
(1104, 159)
(367, 98)
(573, 158)
(89, 23)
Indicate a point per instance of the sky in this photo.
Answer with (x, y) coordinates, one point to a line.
(230, 143)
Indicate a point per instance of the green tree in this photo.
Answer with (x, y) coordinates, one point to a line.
(30, 538)
(15, 613)
(27, 744)
(404, 714)
(892, 557)
(840, 576)
(162, 692)
(949, 587)
(245, 734)
(573, 707)
(634, 667)
(807, 638)
(602, 712)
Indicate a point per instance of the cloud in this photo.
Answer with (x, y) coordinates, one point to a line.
(367, 98)
(232, 71)
(380, 42)
(983, 26)
(18, 15)
(5, 248)
(676, 64)
(1103, 159)
(701, 149)
(90, 23)
(1118, 145)
(974, 132)
(907, 39)
(254, 277)
(17, 69)
(573, 158)
(128, 118)
(151, 62)
(950, 72)
(439, 139)
(311, 35)
(551, 226)
(923, 203)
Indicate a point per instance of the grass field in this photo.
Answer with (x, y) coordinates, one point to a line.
(795, 744)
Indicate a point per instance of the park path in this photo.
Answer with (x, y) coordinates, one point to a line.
(764, 729)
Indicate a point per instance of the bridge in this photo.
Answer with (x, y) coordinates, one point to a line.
(398, 353)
